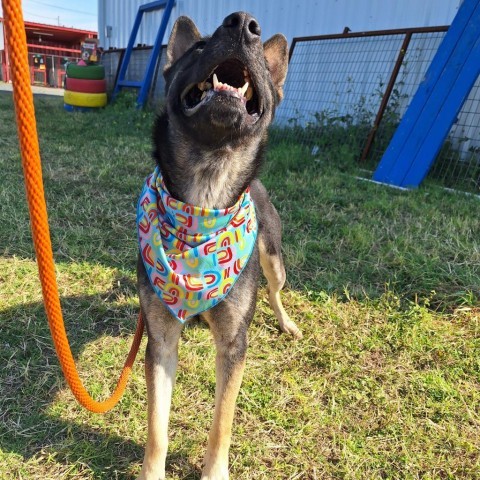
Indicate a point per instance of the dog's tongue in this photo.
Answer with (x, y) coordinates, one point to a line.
(219, 86)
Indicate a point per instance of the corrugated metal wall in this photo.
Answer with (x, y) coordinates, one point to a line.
(292, 18)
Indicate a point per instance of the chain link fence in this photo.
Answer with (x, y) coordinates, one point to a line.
(458, 163)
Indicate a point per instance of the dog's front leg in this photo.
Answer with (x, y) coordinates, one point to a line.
(160, 366)
(230, 363)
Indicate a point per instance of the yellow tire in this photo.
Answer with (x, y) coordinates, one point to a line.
(78, 99)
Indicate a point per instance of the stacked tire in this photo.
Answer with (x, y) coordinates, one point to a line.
(85, 87)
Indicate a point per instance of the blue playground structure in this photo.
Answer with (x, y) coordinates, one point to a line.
(145, 83)
(436, 104)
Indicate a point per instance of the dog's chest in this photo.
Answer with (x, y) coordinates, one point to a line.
(218, 178)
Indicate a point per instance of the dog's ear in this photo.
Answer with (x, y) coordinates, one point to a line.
(276, 54)
(184, 35)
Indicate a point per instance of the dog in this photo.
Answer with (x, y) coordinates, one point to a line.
(221, 92)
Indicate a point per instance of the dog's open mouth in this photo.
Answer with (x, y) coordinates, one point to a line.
(230, 78)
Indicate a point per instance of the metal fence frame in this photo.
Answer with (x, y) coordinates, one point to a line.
(407, 32)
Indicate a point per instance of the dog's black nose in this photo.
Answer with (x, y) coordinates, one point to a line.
(243, 23)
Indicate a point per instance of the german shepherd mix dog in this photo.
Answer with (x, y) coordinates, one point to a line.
(221, 95)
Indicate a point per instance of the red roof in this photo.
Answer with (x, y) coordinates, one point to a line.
(54, 33)
(53, 39)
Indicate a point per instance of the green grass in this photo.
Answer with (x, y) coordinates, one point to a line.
(383, 283)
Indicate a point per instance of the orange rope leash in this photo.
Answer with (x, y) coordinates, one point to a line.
(27, 132)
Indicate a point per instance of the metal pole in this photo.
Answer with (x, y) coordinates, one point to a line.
(386, 96)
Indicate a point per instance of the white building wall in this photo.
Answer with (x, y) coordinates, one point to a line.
(292, 18)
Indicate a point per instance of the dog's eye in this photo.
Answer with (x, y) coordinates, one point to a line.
(200, 45)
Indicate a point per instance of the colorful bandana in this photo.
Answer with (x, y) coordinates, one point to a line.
(193, 255)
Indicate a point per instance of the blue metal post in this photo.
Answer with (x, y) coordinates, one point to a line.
(145, 83)
(152, 61)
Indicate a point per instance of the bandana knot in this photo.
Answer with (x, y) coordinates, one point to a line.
(193, 255)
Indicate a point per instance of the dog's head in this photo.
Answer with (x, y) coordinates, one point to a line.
(226, 85)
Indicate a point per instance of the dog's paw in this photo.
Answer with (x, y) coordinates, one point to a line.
(151, 476)
(215, 472)
(215, 476)
(142, 477)
(290, 327)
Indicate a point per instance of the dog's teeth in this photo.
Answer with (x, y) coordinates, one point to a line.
(203, 95)
(249, 93)
(243, 89)
(215, 81)
(201, 86)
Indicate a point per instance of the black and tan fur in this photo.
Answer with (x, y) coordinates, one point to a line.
(208, 158)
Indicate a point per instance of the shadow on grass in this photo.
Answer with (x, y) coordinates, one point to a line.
(35, 410)
(102, 455)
